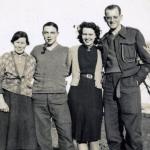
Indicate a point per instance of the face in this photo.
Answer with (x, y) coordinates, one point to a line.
(113, 18)
(20, 45)
(50, 34)
(88, 36)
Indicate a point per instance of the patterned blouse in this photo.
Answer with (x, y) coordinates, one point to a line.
(15, 77)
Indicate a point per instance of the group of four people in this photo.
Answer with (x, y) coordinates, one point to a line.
(25, 122)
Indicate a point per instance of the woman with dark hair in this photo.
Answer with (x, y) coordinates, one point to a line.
(17, 130)
(85, 95)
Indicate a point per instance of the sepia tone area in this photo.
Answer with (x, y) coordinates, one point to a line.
(103, 142)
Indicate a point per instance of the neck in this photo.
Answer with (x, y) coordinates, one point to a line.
(51, 47)
(19, 53)
(89, 46)
(115, 31)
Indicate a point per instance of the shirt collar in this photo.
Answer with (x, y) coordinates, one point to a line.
(51, 47)
(14, 53)
(116, 31)
(121, 32)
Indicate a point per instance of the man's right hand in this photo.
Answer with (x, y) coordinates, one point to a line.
(3, 105)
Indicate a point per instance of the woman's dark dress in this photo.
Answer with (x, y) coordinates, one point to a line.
(85, 100)
(17, 127)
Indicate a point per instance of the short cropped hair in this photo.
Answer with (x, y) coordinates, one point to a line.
(91, 25)
(20, 34)
(51, 24)
(109, 7)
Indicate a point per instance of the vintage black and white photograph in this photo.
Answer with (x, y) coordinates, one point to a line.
(75, 75)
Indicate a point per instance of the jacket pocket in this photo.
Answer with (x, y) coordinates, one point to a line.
(129, 82)
(128, 52)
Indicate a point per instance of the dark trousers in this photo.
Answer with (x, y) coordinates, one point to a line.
(122, 115)
(45, 110)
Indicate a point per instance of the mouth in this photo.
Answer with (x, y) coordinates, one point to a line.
(49, 40)
(88, 41)
(112, 24)
(20, 49)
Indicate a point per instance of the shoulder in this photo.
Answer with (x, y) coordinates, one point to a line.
(31, 59)
(133, 33)
(74, 48)
(132, 29)
(5, 58)
(104, 36)
(63, 48)
(37, 48)
(5, 55)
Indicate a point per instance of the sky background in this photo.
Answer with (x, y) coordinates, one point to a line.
(30, 15)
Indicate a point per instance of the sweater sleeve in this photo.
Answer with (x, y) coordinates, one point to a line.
(3, 60)
(30, 72)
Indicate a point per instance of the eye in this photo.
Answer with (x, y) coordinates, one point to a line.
(45, 32)
(115, 17)
(84, 34)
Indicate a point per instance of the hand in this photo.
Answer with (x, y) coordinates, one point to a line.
(137, 82)
(147, 47)
(3, 105)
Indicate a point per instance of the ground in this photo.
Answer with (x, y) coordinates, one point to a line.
(103, 142)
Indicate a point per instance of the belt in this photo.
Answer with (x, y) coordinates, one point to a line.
(89, 76)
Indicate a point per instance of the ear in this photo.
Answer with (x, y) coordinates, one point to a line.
(105, 18)
(121, 17)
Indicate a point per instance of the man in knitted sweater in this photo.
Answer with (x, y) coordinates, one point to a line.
(49, 91)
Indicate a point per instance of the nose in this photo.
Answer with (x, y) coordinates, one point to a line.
(87, 36)
(19, 45)
(111, 19)
(49, 35)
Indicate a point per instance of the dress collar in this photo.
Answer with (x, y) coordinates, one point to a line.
(23, 54)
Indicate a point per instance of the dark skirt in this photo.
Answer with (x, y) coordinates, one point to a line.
(85, 102)
(17, 129)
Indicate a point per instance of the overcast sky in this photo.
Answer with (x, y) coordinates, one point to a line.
(30, 15)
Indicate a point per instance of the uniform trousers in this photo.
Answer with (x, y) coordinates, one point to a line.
(122, 114)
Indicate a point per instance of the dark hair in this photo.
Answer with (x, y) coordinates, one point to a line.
(20, 34)
(91, 25)
(51, 24)
(109, 7)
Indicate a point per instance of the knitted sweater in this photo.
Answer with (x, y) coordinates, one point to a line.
(51, 69)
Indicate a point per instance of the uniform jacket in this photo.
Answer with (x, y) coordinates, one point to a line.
(129, 46)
